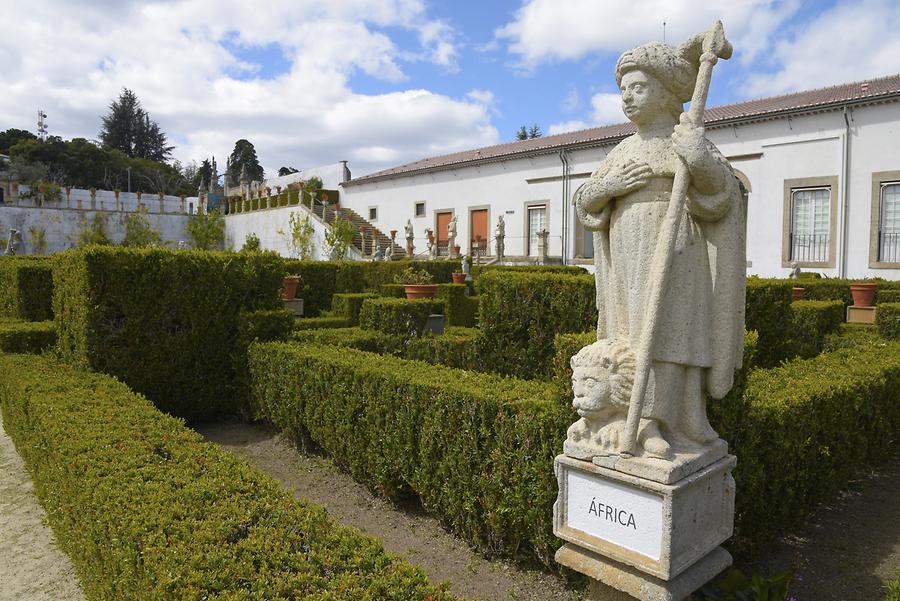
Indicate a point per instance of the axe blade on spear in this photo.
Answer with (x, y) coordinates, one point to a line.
(707, 47)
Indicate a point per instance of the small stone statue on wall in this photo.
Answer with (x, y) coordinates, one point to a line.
(451, 237)
(499, 237)
(14, 242)
(408, 228)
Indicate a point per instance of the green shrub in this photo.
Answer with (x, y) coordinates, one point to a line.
(460, 310)
(348, 304)
(393, 290)
(565, 347)
(147, 510)
(18, 336)
(768, 312)
(454, 348)
(802, 430)
(400, 316)
(476, 448)
(811, 322)
(833, 289)
(520, 314)
(887, 318)
(315, 323)
(265, 326)
(887, 296)
(479, 270)
(850, 335)
(319, 280)
(26, 288)
(162, 321)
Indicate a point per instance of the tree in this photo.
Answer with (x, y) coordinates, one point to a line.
(244, 156)
(299, 236)
(128, 128)
(138, 231)
(287, 171)
(528, 133)
(339, 237)
(12, 136)
(95, 233)
(207, 230)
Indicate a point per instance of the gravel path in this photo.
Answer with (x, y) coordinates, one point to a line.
(31, 566)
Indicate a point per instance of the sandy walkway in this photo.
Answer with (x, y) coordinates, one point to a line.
(31, 566)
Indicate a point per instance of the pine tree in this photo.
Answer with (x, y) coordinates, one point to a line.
(128, 127)
(535, 131)
(522, 134)
(244, 156)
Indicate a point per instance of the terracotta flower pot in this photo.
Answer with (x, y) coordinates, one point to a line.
(863, 294)
(458, 277)
(289, 287)
(797, 293)
(420, 290)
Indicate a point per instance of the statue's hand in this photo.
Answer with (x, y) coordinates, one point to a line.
(593, 195)
(689, 141)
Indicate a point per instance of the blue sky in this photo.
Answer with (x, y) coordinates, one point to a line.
(384, 82)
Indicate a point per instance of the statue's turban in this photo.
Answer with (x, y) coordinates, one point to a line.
(665, 63)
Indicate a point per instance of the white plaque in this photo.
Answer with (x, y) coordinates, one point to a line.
(627, 517)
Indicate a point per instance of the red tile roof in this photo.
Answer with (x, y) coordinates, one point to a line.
(862, 92)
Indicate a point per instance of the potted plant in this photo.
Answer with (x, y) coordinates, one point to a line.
(416, 284)
(289, 287)
(863, 294)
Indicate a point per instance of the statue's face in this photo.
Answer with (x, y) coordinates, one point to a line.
(591, 389)
(643, 97)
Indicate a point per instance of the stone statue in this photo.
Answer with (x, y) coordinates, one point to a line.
(182, 245)
(14, 242)
(669, 251)
(795, 271)
(467, 268)
(499, 236)
(451, 237)
(432, 244)
(409, 239)
(378, 255)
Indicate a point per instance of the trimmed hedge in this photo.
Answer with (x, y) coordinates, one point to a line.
(26, 288)
(315, 323)
(400, 316)
(265, 326)
(348, 304)
(18, 336)
(476, 448)
(803, 430)
(454, 348)
(480, 270)
(851, 334)
(162, 321)
(147, 510)
(520, 314)
(887, 318)
(319, 280)
(811, 322)
(393, 290)
(460, 309)
(887, 296)
(768, 312)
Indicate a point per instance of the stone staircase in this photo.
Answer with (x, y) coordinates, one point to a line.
(364, 247)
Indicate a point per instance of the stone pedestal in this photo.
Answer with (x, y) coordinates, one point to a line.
(295, 305)
(654, 541)
(860, 314)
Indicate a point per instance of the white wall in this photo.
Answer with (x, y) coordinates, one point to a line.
(265, 223)
(63, 226)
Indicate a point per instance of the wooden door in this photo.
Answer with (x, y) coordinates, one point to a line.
(443, 220)
(478, 230)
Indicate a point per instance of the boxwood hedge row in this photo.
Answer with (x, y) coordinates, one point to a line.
(348, 304)
(476, 448)
(17, 336)
(164, 322)
(147, 510)
(26, 287)
(800, 432)
(400, 316)
(812, 321)
(319, 280)
(887, 318)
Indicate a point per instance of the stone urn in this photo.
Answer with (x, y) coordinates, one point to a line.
(797, 293)
(414, 291)
(289, 287)
(863, 294)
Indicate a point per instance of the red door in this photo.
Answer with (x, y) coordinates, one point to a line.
(443, 220)
(478, 230)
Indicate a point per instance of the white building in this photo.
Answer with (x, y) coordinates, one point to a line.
(821, 169)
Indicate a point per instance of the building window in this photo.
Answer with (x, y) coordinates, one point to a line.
(889, 223)
(420, 208)
(537, 221)
(373, 213)
(810, 225)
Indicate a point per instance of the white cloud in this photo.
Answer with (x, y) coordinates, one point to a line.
(850, 42)
(566, 126)
(551, 30)
(572, 101)
(73, 59)
(606, 110)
